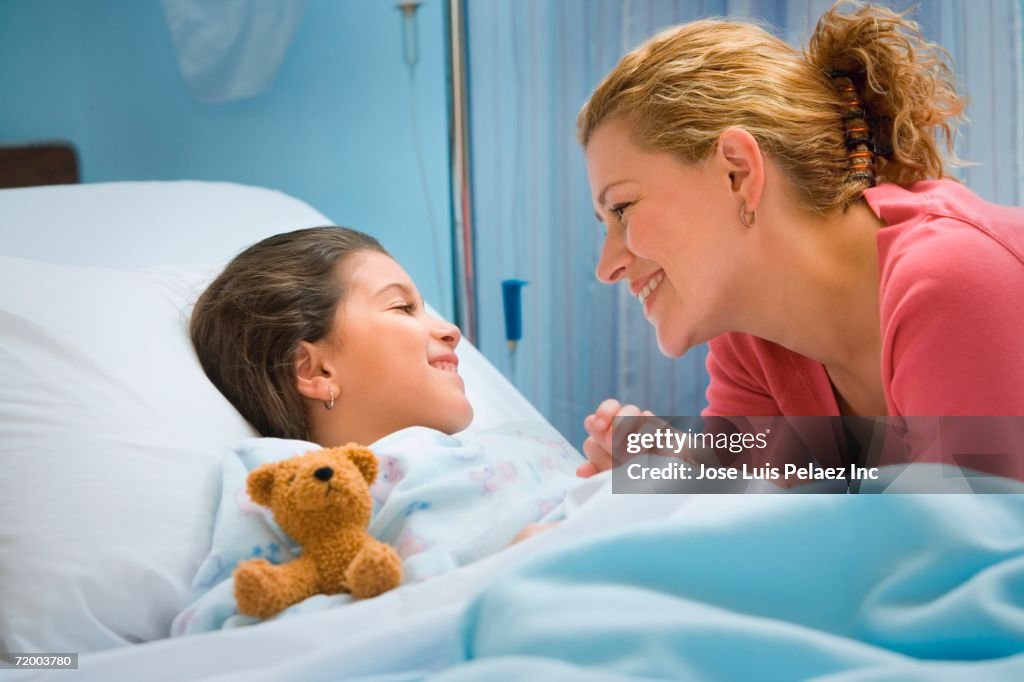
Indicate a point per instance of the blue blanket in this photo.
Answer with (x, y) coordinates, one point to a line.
(680, 587)
(769, 588)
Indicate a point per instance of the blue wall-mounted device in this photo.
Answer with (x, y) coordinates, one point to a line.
(511, 297)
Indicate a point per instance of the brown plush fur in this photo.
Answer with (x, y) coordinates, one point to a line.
(329, 519)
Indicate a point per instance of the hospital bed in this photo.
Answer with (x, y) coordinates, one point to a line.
(109, 437)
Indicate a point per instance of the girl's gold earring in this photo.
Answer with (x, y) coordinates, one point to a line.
(744, 220)
(329, 405)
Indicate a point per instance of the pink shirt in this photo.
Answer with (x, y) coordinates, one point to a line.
(951, 296)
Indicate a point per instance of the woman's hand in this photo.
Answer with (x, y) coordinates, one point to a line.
(598, 445)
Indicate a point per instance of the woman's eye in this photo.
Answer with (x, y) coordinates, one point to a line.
(619, 210)
(408, 308)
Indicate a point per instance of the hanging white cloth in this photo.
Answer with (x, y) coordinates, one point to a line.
(231, 49)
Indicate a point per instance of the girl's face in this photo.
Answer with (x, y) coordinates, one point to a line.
(669, 235)
(395, 363)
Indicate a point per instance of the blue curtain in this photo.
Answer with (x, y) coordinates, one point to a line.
(532, 64)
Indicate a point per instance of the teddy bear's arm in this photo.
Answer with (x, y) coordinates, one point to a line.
(263, 589)
(375, 569)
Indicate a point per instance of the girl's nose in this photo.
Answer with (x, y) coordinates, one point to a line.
(448, 333)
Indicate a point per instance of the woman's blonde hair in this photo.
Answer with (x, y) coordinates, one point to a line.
(684, 86)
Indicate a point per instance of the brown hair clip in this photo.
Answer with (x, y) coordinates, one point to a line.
(860, 145)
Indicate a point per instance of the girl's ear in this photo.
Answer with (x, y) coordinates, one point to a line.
(313, 379)
(739, 156)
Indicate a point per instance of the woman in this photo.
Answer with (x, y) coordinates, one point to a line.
(794, 211)
(319, 335)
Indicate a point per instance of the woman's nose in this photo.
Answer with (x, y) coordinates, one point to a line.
(614, 258)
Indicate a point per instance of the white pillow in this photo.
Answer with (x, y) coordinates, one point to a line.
(133, 225)
(109, 436)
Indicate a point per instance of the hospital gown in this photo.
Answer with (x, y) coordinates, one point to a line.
(441, 501)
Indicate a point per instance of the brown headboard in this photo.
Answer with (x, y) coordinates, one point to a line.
(44, 163)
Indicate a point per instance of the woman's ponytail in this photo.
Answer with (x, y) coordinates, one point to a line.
(904, 85)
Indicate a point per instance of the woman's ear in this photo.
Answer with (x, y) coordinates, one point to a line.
(739, 156)
(313, 378)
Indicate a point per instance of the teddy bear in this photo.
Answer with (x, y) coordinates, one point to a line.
(321, 500)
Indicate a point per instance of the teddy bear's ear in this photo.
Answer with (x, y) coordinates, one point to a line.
(260, 483)
(364, 459)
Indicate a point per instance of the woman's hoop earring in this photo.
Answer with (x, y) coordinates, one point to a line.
(329, 405)
(743, 215)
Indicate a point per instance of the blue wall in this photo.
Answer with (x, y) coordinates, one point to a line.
(334, 129)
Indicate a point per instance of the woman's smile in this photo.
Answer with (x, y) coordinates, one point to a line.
(647, 293)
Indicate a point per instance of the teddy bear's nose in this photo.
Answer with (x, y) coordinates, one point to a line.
(324, 473)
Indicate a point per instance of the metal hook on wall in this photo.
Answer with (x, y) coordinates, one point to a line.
(409, 43)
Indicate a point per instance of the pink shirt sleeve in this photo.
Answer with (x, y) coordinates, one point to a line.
(953, 326)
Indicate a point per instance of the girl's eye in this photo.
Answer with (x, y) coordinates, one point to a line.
(408, 308)
(619, 210)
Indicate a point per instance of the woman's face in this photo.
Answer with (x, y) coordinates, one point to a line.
(666, 235)
(395, 363)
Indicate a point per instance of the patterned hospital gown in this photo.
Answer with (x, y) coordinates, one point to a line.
(441, 501)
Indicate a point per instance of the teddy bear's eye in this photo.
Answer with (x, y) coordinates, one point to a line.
(291, 479)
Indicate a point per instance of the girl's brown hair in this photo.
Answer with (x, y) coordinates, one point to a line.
(247, 325)
(684, 86)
